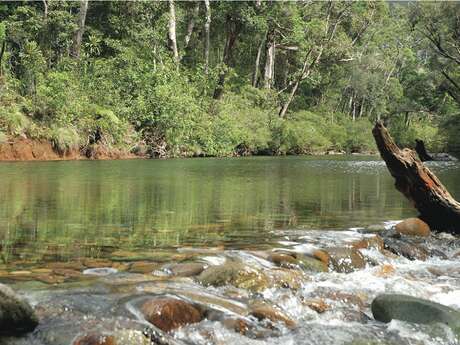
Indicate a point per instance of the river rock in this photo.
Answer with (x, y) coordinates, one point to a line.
(143, 267)
(95, 339)
(409, 250)
(341, 259)
(374, 228)
(311, 264)
(16, 315)
(411, 309)
(235, 274)
(316, 304)
(266, 312)
(170, 313)
(188, 269)
(413, 227)
(286, 278)
(283, 260)
(368, 242)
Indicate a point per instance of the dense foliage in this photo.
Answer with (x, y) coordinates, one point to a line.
(229, 78)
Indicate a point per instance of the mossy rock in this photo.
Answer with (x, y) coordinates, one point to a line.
(236, 274)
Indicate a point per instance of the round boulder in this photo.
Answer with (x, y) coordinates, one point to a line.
(170, 313)
(16, 315)
(413, 227)
(411, 309)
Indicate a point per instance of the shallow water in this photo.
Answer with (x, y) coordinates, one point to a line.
(84, 241)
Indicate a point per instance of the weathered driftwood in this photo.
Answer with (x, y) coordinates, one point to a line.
(425, 156)
(436, 206)
(421, 151)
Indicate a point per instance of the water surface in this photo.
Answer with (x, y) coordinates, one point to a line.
(59, 210)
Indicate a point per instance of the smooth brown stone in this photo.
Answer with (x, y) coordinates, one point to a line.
(317, 304)
(170, 313)
(413, 227)
(341, 259)
(266, 312)
(283, 260)
(143, 267)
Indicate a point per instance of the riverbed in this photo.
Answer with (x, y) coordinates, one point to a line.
(87, 241)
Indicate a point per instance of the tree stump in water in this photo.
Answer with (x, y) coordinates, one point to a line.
(421, 151)
(436, 206)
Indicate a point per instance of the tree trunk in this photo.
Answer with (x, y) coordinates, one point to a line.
(2, 52)
(78, 36)
(191, 24)
(255, 76)
(207, 27)
(269, 60)
(421, 151)
(232, 33)
(418, 184)
(172, 31)
(45, 5)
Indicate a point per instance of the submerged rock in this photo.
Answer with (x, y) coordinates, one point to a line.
(16, 315)
(341, 259)
(170, 313)
(283, 260)
(375, 242)
(316, 304)
(413, 227)
(411, 309)
(95, 339)
(266, 312)
(184, 269)
(407, 249)
(235, 274)
(311, 264)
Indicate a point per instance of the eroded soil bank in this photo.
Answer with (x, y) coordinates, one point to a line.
(21, 149)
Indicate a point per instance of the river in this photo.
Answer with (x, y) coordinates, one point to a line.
(84, 241)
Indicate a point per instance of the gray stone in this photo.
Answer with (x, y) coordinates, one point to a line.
(416, 310)
(16, 315)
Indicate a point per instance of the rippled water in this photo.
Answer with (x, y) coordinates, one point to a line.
(85, 241)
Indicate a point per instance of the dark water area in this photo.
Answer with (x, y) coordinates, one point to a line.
(60, 210)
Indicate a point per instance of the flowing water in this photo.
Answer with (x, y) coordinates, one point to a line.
(86, 241)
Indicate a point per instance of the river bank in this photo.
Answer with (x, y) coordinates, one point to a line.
(22, 149)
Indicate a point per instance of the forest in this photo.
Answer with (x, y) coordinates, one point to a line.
(182, 79)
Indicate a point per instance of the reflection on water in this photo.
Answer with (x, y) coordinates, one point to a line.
(56, 210)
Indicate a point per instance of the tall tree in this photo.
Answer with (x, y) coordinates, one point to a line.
(172, 31)
(78, 36)
(191, 23)
(207, 40)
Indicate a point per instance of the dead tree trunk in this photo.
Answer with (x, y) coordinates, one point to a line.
(421, 151)
(418, 184)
